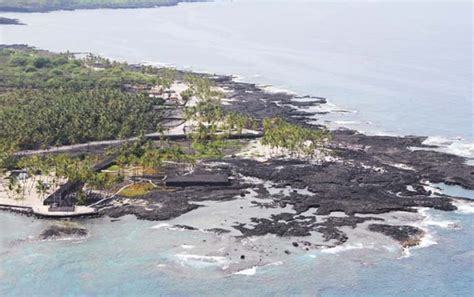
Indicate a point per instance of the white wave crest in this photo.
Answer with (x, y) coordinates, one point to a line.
(187, 246)
(427, 240)
(161, 226)
(464, 207)
(199, 260)
(253, 270)
(250, 271)
(456, 146)
(343, 248)
(430, 220)
(346, 123)
(276, 90)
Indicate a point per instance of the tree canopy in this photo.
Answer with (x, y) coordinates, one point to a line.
(51, 99)
(279, 133)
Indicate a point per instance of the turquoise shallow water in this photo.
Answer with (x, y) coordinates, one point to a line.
(406, 68)
(122, 259)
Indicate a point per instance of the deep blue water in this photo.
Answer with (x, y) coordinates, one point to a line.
(403, 68)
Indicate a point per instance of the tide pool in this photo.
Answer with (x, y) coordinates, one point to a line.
(398, 68)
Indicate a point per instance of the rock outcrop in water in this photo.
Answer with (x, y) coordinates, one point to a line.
(61, 232)
(408, 236)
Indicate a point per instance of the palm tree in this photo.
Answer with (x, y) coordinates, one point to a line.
(42, 188)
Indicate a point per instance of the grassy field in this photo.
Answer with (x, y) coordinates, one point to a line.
(137, 190)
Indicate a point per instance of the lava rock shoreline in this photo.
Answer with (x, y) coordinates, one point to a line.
(370, 175)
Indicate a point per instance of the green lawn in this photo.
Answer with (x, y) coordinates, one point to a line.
(137, 190)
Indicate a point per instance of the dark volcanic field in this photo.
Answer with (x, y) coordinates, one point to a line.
(369, 176)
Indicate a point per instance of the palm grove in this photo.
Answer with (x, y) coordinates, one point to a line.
(51, 100)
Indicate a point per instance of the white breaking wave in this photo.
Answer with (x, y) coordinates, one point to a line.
(346, 122)
(439, 141)
(161, 226)
(464, 207)
(187, 247)
(253, 270)
(432, 188)
(456, 146)
(344, 248)
(198, 260)
(276, 90)
(427, 240)
(430, 220)
(249, 271)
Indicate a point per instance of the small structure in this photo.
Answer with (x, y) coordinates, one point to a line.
(56, 208)
(156, 92)
(60, 196)
(134, 88)
(19, 174)
(198, 180)
(64, 212)
(174, 97)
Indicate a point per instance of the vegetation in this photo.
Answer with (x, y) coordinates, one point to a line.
(32, 69)
(55, 99)
(278, 133)
(237, 122)
(167, 77)
(48, 172)
(32, 119)
(138, 189)
(48, 5)
(50, 99)
(141, 154)
(211, 122)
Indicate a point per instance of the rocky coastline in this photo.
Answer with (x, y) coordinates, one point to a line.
(368, 175)
(363, 178)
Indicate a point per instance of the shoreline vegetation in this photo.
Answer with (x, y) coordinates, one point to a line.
(218, 140)
(52, 5)
(52, 100)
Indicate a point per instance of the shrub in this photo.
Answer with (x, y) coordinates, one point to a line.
(41, 62)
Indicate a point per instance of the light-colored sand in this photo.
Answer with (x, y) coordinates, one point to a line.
(257, 151)
(30, 198)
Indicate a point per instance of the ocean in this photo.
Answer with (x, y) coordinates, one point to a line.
(396, 68)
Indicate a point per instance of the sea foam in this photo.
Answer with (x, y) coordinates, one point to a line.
(343, 248)
(249, 271)
(456, 146)
(464, 207)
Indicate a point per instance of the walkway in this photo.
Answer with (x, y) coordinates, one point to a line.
(43, 211)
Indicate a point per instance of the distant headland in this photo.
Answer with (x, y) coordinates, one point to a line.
(48, 5)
